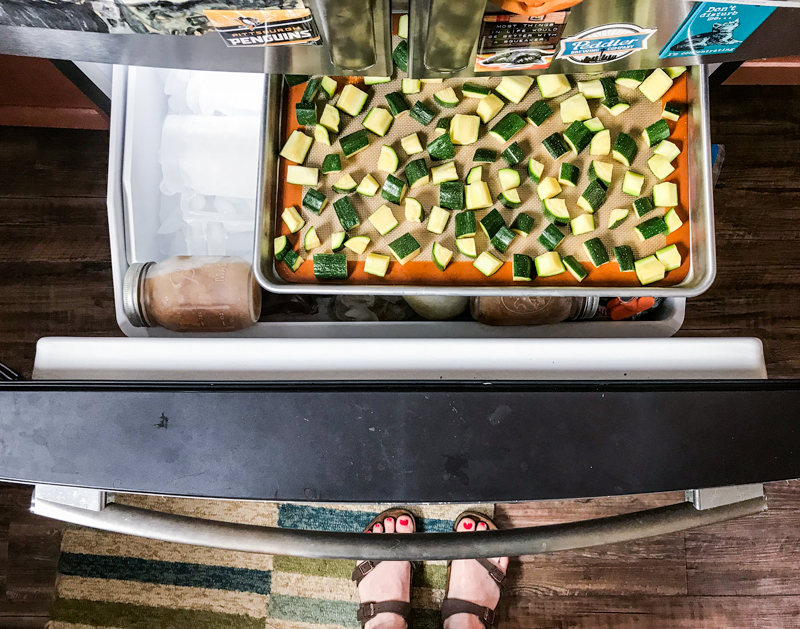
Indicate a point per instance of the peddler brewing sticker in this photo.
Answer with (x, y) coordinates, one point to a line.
(265, 27)
(715, 28)
(604, 44)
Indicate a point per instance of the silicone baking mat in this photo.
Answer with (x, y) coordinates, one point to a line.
(461, 272)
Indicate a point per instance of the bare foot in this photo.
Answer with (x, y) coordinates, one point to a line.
(390, 580)
(469, 581)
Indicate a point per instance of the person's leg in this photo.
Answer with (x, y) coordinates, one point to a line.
(389, 580)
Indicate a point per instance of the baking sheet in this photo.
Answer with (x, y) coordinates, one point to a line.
(461, 272)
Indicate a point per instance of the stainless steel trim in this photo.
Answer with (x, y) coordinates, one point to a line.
(421, 547)
(701, 204)
(87, 499)
(714, 497)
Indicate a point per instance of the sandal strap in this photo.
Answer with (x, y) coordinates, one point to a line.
(363, 569)
(453, 606)
(496, 573)
(368, 611)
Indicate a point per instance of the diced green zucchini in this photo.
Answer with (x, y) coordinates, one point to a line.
(302, 175)
(293, 260)
(441, 256)
(548, 188)
(441, 148)
(467, 247)
(417, 173)
(595, 125)
(444, 172)
(510, 198)
(602, 171)
(578, 137)
(651, 227)
(330, 118)
(575, 108)
(400, 55)
(649, 270)
(522, 270)
(596, 251)
(475, 174)
(465, 225)
(446, 98)
(357, 244)
(632, 183)
(478, 196)
(487, 264)
(311, 91)
(411, 86)
(295, 79)
(601, 143)
(569, 175)
(402, 26)
(514, 88)
(383, 220)
(553, 85)
(442, 126)
(631, 79)
(522, 224)
(485, 155)
(465, 129)
(507, 128)
(337, 241)
(535, 170)
(280, 246)
(509, 178)
(549, 264)
(623, 254)
(306, 113)
(502, 239)
(672, 220)
(311, 240)
(378, 121)
(615, 106)
(643, 205)
(489, 107)
(593, 197)
(617, 217)
(422, 113)
(388, 161)
(438, 219)
(329, 86)
(551, 237)
(351, 100)
(394, 189)
(345, 184)
(296, 147)
(575, 268)
(414, 211)
(405, 248)
(346, 213)
(291, 217)
(411, 144)
(555, 210)
(513, 154)
(555, 145)
(376, 264)
(314, 201)
(656, 85)
(624, 149)
(591, 89)
(321, 135)
(672, 111)
(376, 80)
(491, 223)
(609, 88)
(670, 257)
(473, 90)
(398, 105)
(354, 142)
(668, 150)
(538, 113)
(665, 194)
(332, 164)
(674, 72)
(656, 132)
(582, 224)
(451, 195)
(660, 166)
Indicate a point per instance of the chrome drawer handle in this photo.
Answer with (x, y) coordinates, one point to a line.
(453, 29)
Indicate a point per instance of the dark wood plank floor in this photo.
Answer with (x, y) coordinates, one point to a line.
(55, 279)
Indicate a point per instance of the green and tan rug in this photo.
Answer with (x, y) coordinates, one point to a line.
(113, 581)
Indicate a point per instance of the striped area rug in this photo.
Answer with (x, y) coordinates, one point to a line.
(113, 581)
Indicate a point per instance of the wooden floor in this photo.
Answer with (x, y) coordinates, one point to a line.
(55, 279)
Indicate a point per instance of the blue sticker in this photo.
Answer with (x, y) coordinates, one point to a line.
(604, 44)
(715, 28)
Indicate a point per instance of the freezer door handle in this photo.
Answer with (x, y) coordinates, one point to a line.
(746, 500)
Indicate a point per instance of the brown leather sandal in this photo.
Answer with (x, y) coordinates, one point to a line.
(367, 611)
(453, 606)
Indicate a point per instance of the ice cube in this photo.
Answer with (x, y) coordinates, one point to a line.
(215, 232)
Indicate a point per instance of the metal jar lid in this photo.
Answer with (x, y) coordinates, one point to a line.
(590, 306)
(132, 289)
